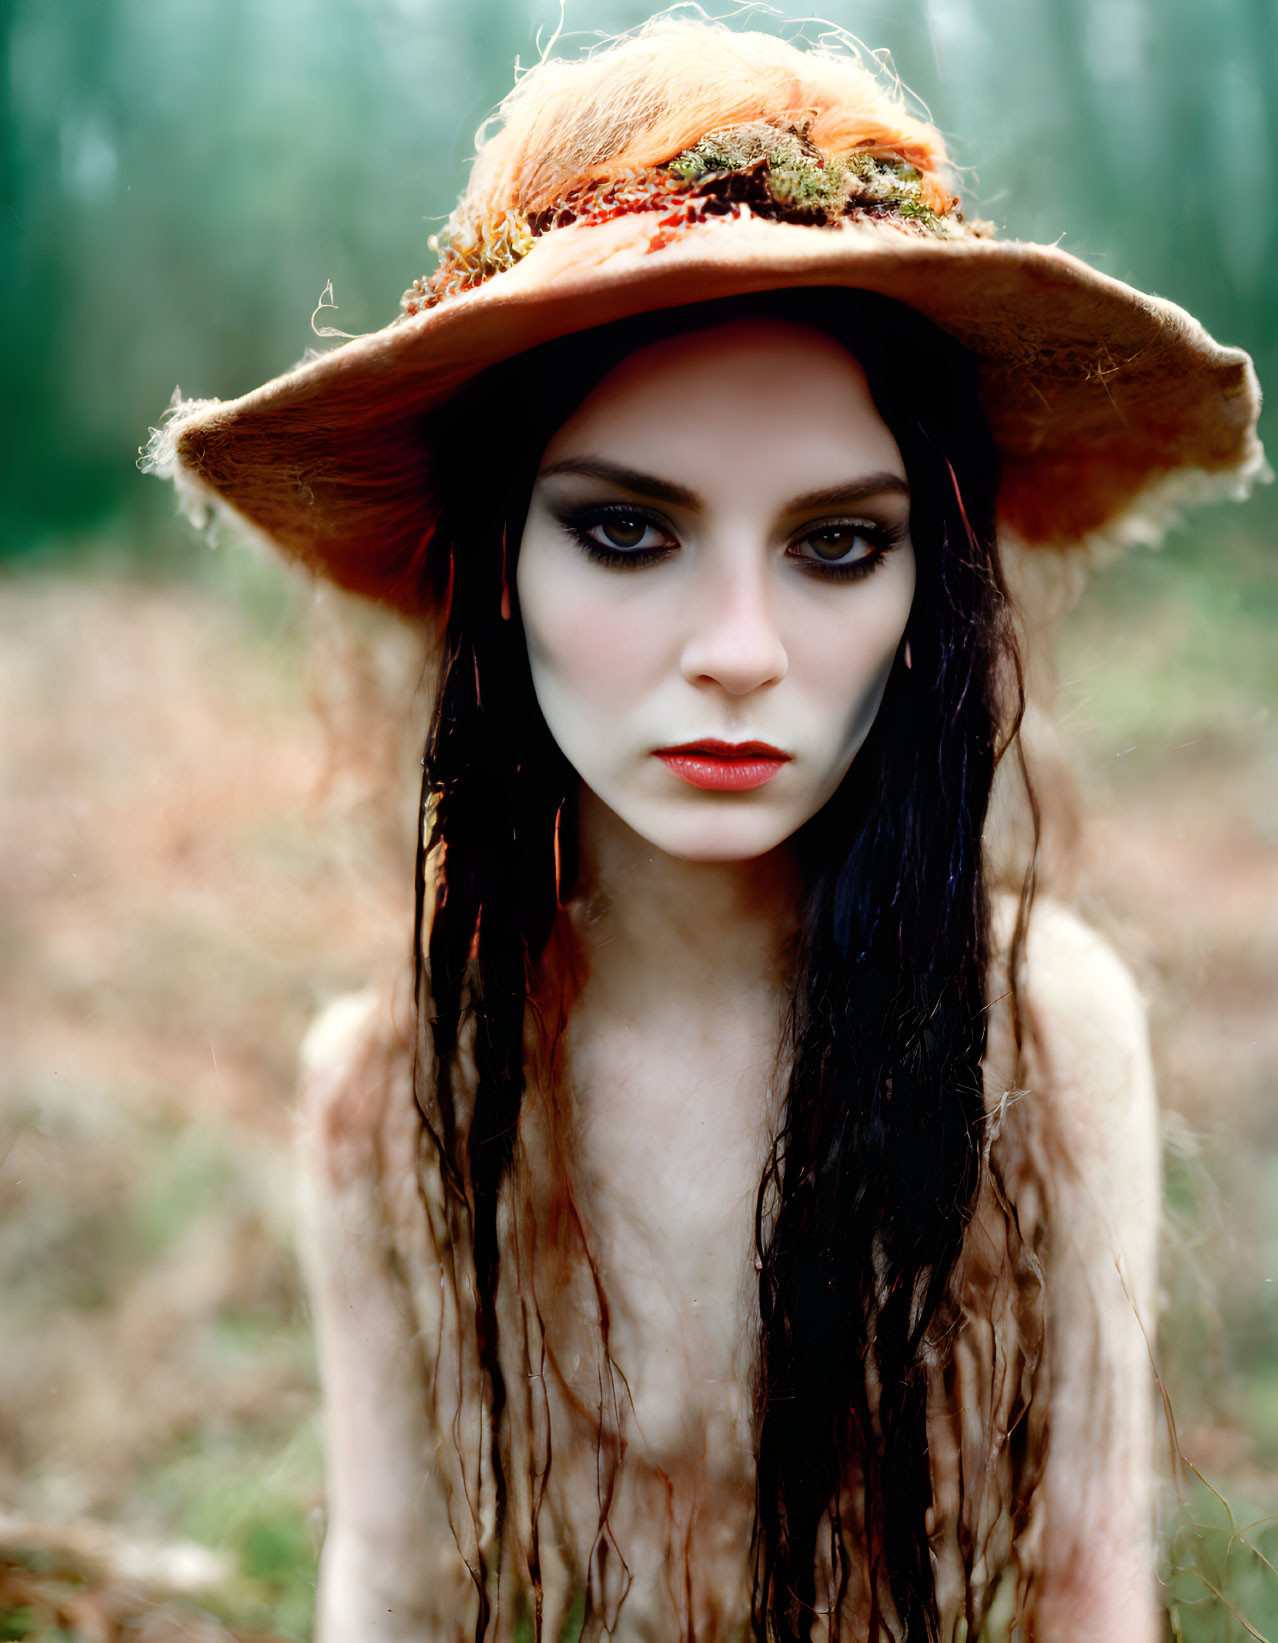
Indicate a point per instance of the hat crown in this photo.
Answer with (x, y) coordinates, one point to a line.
(646, 99)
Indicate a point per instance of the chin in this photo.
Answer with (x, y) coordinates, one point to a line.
(721, 838)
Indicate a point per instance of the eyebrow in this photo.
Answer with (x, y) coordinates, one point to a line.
(661, 490)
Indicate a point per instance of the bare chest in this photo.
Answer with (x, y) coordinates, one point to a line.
(673, 1130)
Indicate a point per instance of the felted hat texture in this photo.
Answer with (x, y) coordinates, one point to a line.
(689, 162)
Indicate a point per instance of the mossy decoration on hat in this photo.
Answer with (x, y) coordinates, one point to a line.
(798, 183)
(775, 172)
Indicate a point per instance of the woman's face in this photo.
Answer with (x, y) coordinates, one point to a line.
(714, 579)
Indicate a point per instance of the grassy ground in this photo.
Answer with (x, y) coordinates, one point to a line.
(191, 869)
(186, 880)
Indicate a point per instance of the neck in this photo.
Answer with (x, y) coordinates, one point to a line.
(658, 925)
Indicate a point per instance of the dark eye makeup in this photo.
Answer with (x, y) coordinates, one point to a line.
(618, 535)
(625, 537)
(846, 548)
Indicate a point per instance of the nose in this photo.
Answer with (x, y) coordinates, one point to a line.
(733, 640)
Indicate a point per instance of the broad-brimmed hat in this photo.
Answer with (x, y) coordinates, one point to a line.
(687, 163)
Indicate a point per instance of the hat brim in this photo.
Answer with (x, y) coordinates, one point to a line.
(1095, 392)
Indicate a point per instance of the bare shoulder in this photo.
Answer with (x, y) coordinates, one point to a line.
(1075, 1137)
(356, 1110)
(1087, 1031)
(1075, 1129)
(336, 1035)
(390, 1570)
(362, 1192)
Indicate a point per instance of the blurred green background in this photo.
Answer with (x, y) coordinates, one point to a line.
(190, 863)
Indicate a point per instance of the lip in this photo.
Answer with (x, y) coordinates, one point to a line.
(724, 767)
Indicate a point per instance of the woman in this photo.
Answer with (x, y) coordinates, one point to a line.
(744, 1223)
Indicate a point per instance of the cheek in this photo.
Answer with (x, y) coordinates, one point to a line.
(597, 650)
(847, 663)
(849, 691)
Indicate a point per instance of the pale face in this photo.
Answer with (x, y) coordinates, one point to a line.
(714, 579)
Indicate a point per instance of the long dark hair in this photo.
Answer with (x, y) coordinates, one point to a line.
(875, 1171)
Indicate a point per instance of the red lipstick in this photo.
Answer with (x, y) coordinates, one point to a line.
(724, 767)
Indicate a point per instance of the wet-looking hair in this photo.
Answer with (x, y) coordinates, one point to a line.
(871, 1183)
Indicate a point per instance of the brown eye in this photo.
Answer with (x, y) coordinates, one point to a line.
(837, 544)
(623, 540)
(843, 549)
(622, 531)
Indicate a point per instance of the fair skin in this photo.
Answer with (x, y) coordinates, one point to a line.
(740, 632)
(743, 599)
(734, 457)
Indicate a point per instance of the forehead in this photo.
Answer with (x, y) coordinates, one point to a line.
(770, 389)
